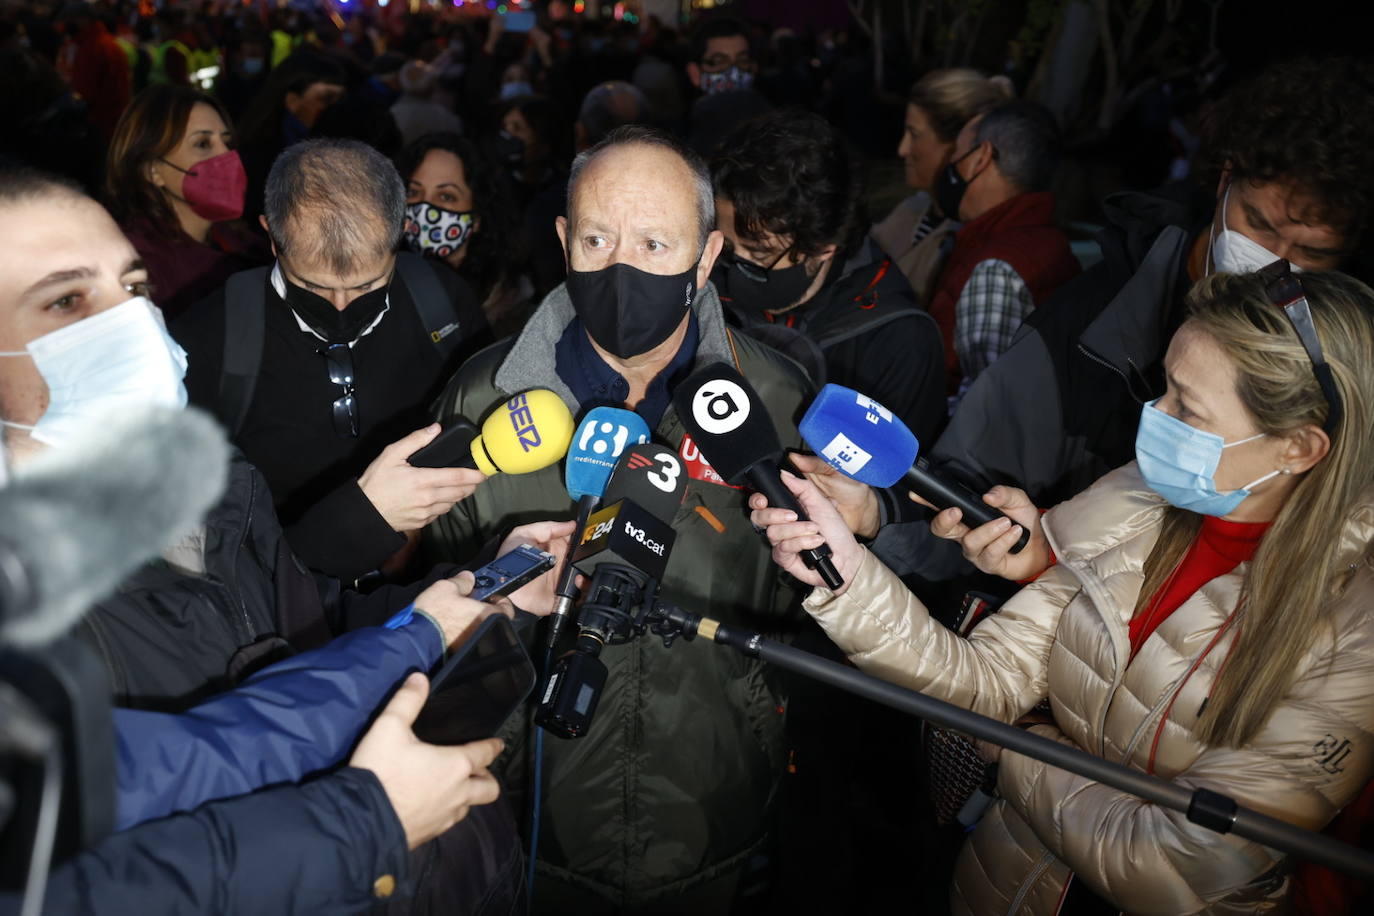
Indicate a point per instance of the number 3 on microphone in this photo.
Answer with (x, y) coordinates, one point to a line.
(666, 479)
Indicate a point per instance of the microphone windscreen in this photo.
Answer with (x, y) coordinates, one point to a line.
(727, 420)
(530, 431)
(80, 519)
(651, 477)
(600, 440)
(859, 436)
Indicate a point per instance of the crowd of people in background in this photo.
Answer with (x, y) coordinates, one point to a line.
(347, 226)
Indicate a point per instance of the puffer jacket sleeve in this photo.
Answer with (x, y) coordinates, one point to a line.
(328, 847)
(292, 719)
(1000, 671)
(1310, 760)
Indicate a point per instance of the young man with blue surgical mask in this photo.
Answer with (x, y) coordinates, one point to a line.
(81, 344)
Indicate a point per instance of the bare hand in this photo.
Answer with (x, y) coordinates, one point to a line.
(790, 537)
(430, 787)
(410, 497)
(987, 751)
(987, 546)
(496, 28)
(855, 501)
(537, 596)
(541, 41)
(458, 615)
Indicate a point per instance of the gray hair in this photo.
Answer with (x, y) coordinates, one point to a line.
(1026, 139)
(609, 105)
(637, 134)
(341, 198)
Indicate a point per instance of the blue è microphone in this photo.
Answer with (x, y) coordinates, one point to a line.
(597, 444)
(863, 439)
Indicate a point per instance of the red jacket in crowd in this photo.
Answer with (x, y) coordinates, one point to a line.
(98, 71)
(1017, 232)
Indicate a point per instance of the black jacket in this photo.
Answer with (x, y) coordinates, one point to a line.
(288, 429)
(171, 637)
(871, 335)
(324, 848)
(1060, 407)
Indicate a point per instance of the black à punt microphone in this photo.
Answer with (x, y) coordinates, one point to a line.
(730, 424)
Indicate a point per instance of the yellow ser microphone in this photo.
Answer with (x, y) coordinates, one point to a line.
(530, 431)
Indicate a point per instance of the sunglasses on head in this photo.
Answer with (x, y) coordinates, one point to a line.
(1284, 289)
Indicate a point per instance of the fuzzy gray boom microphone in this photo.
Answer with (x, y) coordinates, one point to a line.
(76, 521)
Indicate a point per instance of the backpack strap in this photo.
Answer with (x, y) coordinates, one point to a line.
(431, 302)
(871, 311)
(245, 321)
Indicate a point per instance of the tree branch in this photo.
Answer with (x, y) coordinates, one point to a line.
(856, 9)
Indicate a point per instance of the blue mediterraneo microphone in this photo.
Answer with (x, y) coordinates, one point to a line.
(863, 439)
(597, 444)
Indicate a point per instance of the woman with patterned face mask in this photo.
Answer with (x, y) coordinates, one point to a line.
(176, 185)
(455, 213)
(1201, 614)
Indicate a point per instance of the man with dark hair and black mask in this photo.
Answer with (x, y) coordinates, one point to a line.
(322, 367)
(662, 808)
(798, 273)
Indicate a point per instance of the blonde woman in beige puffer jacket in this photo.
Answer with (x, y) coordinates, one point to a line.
(1259, 684)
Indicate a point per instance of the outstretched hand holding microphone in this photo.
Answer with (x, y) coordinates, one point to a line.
(729, 422)
(791, 534)
(999, 532)
(419, 477)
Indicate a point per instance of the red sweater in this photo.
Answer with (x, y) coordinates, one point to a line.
(1220, 547)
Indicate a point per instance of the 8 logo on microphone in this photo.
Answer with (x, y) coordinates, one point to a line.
(602, 442)
(720, 407)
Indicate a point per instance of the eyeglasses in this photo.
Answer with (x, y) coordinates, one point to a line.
(718, 62)
(1284, 289)
(756, 272)
(338, 358)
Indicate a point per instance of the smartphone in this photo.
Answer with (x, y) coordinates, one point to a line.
(509, 571)
(450, 449)
(519, 20)
(477, 689)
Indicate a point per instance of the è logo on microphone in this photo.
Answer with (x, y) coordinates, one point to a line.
(720, 407)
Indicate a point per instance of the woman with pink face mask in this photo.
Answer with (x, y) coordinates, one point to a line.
(176, 186)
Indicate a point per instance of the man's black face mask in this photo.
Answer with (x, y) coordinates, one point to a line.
(333, 325)
(628, 311)
(753, 289)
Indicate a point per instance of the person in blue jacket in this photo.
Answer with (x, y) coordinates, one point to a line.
(217, 822)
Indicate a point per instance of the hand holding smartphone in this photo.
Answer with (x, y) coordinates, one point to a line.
(490, 675)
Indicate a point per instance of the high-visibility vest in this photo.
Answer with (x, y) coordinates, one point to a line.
(282, 46)
(158, 73)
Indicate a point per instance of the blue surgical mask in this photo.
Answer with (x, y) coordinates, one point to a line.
(118, 359)
(515, 90)
(1179, 462)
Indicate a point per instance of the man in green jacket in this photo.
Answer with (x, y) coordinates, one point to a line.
(660, 807)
